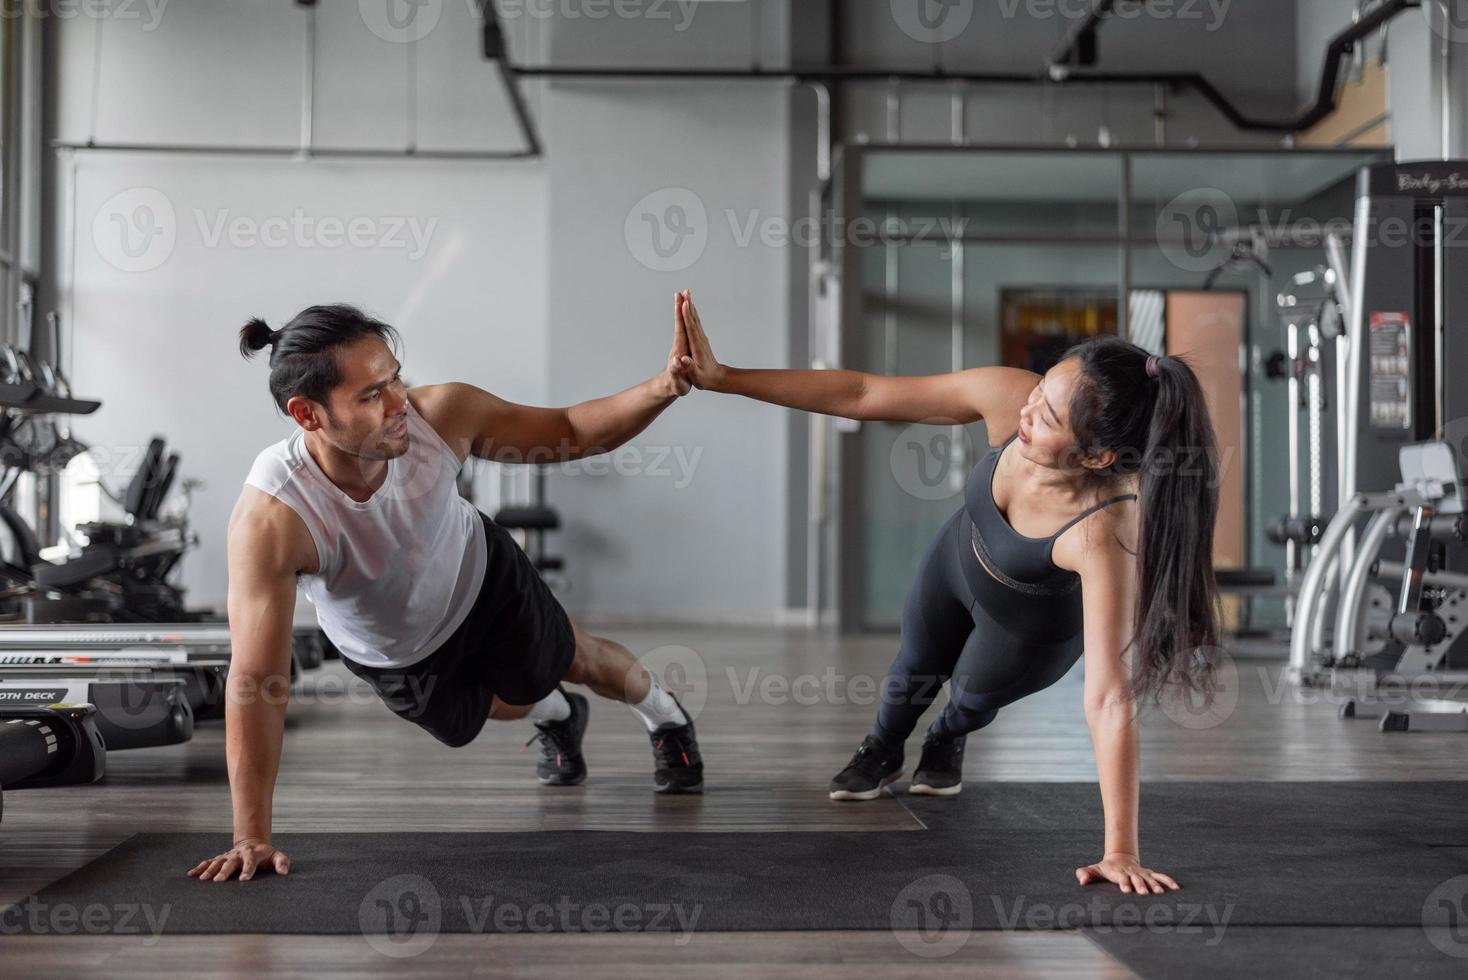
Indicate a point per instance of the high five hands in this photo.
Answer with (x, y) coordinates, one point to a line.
(692, 362)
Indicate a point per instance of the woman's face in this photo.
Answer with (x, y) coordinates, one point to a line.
(1044, 428)
(1044, 424)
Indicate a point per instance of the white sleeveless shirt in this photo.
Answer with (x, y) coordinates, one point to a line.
(400, 571)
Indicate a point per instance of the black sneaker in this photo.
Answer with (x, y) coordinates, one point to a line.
(561, 762)
(677, 765)
(940, 770)
(874, 765)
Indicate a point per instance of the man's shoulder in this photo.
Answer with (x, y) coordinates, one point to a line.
(264, 525)
(448, 409)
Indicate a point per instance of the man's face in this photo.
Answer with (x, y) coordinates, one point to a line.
(367, 412)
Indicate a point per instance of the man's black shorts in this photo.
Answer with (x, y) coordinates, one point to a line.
(516, 644)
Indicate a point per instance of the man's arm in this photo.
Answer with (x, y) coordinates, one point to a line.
(474, 422)
(265, 553)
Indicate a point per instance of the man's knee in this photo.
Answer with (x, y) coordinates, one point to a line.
(587, 661)
(500, 711)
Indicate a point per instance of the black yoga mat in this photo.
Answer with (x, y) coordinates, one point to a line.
(1001, 856)
(1297, 952)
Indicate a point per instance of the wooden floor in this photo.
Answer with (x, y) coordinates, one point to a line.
(781, 712)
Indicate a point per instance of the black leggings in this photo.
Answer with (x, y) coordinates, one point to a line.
(993, 643)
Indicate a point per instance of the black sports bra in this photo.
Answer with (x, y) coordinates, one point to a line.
(1021, 562)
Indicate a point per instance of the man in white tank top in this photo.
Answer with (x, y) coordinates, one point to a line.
(425, 598)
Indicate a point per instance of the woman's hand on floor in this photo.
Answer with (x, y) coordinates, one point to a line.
(1126, 871)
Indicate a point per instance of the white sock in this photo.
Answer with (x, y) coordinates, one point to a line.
(552, 707)
(658, 709)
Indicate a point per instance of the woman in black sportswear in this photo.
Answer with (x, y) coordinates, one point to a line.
(1087, 528)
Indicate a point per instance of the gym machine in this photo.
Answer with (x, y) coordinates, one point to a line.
(196, 653)
(202, 676)
(121, 573)
(531, 522)
(1382, 617)
(135, 710)
(51, 745)
(1314, 350)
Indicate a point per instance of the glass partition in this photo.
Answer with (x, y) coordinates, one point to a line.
(1007, 256)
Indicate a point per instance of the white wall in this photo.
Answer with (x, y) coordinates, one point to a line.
(158, 346)
(153, 334)
(715, 547)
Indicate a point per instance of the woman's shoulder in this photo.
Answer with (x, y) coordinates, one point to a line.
(1105, 538)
